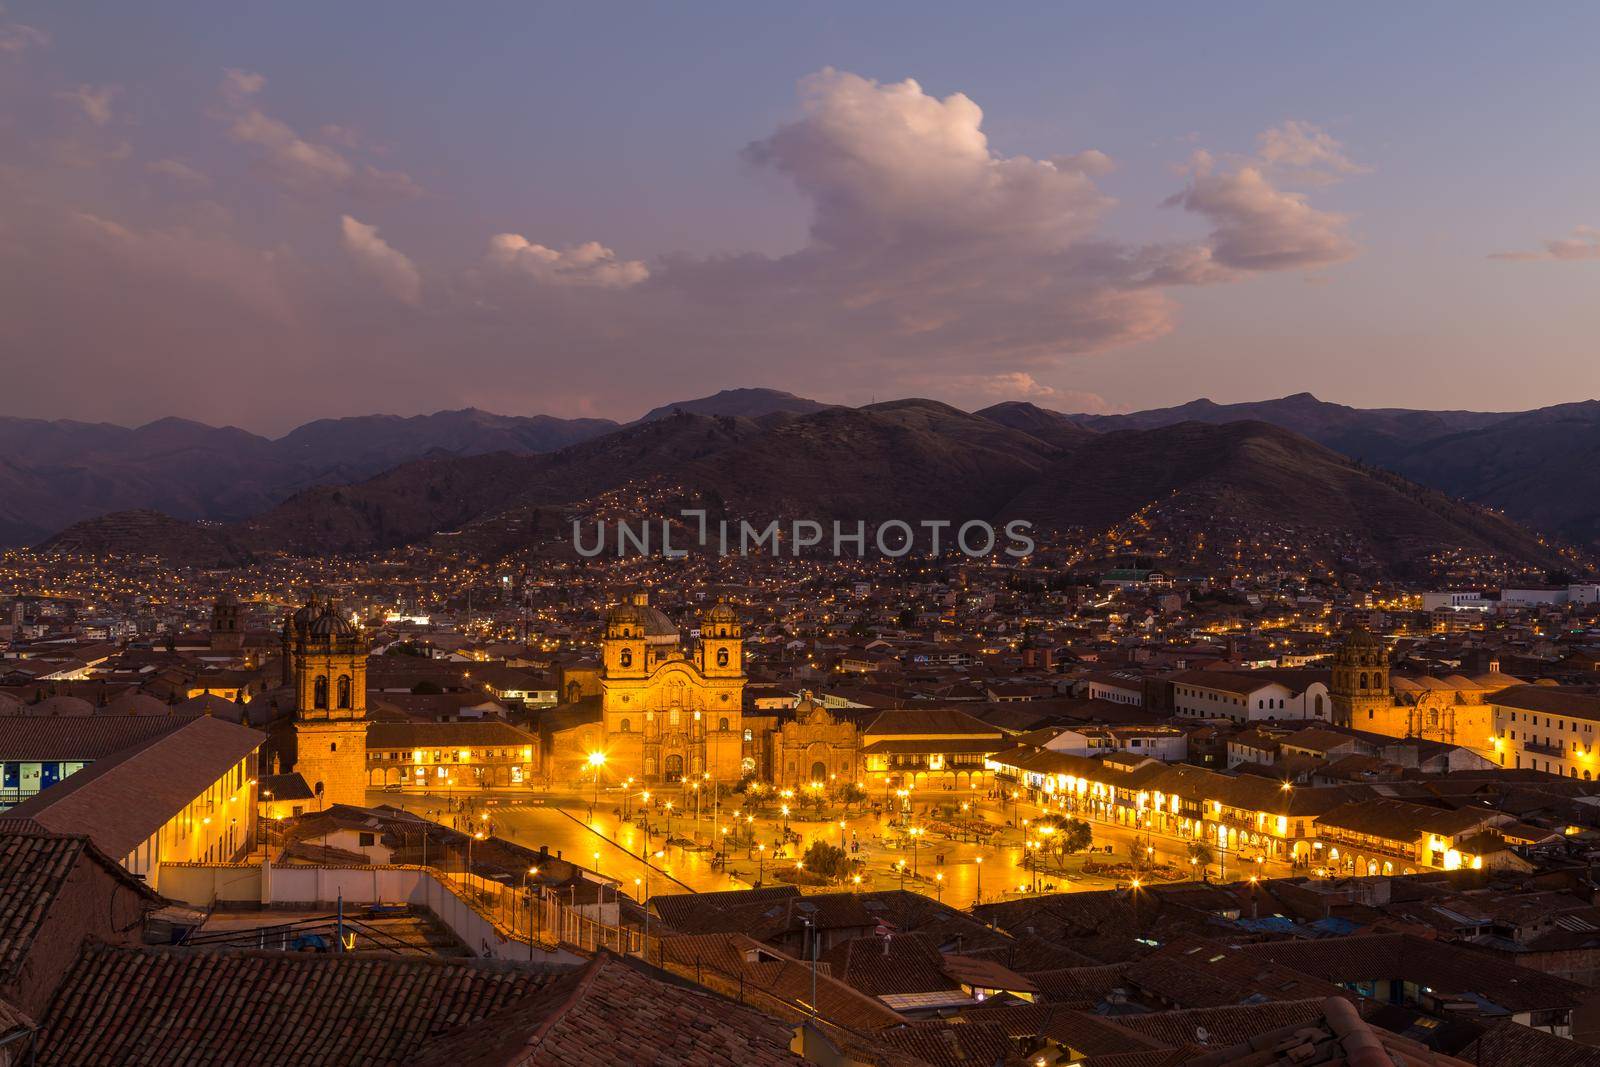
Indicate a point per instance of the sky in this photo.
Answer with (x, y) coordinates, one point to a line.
(266, 214)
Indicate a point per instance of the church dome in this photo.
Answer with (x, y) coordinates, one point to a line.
(331, 624)
(722, 612)
(302, 618)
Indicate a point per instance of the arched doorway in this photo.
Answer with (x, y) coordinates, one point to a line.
(674, 768)
(819, 771)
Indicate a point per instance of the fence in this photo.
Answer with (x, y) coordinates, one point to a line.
(491, 919)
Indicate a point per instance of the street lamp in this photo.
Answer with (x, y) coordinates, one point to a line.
(761, 863)
(979, 862)
(938, 888)
(597, 761)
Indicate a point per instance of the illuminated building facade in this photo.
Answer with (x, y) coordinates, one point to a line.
(328, 656)
(668, 714)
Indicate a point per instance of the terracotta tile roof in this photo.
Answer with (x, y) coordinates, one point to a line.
(1509, 1042)
(944, 1045)
(781, 984)
(119, 802)
(1398, 820)
(34, 865)
(1223, 1026)
(1549, 700)
(183, 1007)
(615, 1011)
(907, 963)
(1446, 969)
(409, 735)
(1085, 986)
(80, 737)
(1082, 1031)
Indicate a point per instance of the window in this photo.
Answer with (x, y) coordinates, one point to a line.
(626, 657)
(368, 840)
(624, 726)
(319, 692)
(722, 657)
(344, 691)
(722, 724)
(749, 735)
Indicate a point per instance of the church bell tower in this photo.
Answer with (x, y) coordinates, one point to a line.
(328, 656)
(1360, 683)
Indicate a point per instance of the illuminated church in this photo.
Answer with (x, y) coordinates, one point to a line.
(668, 713)
(664, 712)
(1453, 710)
(325, 660)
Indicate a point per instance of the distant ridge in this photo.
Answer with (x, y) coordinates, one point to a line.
(739, 403)
(906, 459)
(1541, 467)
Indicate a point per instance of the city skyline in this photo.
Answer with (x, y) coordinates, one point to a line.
(269, 214)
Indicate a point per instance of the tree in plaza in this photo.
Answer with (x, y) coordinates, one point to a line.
(1063, 836)
(851, 793)
(1200, 855)
(828, 861)
(743, 785)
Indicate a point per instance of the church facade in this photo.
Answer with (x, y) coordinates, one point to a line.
(670, 713)
(1452, 710)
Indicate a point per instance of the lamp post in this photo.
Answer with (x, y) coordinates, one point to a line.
(979, 899)
(938, 888)
(916, 834)
(597, 761)
(761, 864)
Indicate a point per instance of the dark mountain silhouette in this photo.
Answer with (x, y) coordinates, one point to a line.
(1256, 476)
(1542, 467)
(1374, 434)
(53, 473)
(741, 403)
(1052, 426)
(910, 459)
(378, 479)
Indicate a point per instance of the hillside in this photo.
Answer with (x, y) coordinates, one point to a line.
(1251, 474)
(739, 403)
(1372, 434)
(911, 459)
(1543, 467)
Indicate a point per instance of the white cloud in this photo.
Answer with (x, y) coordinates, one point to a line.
(1584, 243)
(295, 162)
(15, 38)
(1306, 152)
(178, 171)
(1258, 226)
(890, 163)
(590, 263)
(395, 273)
(93, 100)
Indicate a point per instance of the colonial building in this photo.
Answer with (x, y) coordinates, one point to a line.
(328, 658)
(1453, 710)
(665, 713)
(815, 747)
(1547, 728)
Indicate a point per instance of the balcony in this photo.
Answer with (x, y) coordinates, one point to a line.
(1540, 749)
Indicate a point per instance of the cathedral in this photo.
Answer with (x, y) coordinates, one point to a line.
(668, 713)
(663, 712)
(325, 661)
(1453, 710)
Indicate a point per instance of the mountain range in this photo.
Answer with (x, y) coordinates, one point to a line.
(755, 455)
